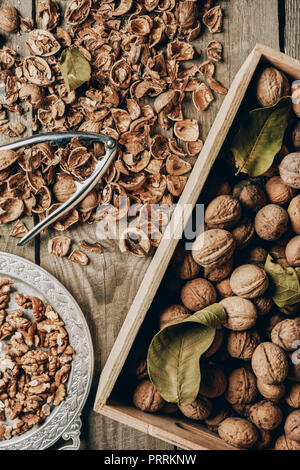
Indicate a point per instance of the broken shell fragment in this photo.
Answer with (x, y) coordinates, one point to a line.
(214, 51)
(134, 241)
(187, 130)
(59, 246)
(202, 97)
(193, 148)
(7, 158)
(177, 166)
(77, 11)
(213, 19)
(37, 71)
(10, 210)
(93, 247)
(42, 43)
(78, 257)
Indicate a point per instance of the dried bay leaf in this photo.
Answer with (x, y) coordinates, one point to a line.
(75, 68)
(260, 137)
(285, 282)
(174, 354)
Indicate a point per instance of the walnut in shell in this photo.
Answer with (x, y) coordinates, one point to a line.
(271, 86)
(294, 214)
(147, 398)
(200, 409)
(223, 212)
(242, 344)
(293, 396)
(198, 294)
(250, 194)
(241, 313)
(283, 443)
(271, 392)
(213, 247)
(289, 170)
(173, 314)
(269, 363)
(249, 281)
(243, 233)
(278, 192)
(265, 415)
(218, 273)
(241, 387)
(238, 432)
(292, 251)
(271, 222)
(187, 268)
(292, 426)
(286, 334)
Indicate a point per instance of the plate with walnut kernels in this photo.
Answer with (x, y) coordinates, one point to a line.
(46, 359)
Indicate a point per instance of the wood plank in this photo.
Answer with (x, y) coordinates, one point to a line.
(105, 290)
(292, 30)
(17, 43)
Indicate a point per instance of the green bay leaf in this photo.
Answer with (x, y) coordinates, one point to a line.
(285, 282)
(260, 137)
(75, 68)
(174, 354)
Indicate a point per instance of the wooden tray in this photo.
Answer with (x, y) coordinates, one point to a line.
(183, 433)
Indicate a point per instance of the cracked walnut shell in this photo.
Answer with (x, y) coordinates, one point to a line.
(270, 364)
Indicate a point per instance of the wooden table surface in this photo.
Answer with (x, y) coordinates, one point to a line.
(106, 287)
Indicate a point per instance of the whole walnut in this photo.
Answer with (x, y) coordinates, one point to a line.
(213, 381)
(249, 281)
(241, 387)
(242, 344)
(286, 334)
(216, 344)
(147, 398)
(243, 233)
(271, 222)
(213, 247)
(296, 136)
(292, 426)
(263, 304)
(218, 273)
(256, 255)
(289, 170)
(265, 415)
(273, 393)
(293, 396)
(9, 19)
(292, 251)
(173, 314)
(269, 363)
(238, 432)
(241, 313)
(271, 86)
(188, 268)
(278, 192)
(198, 294)
(250, 194)
(200, 409)
(294, 214)
(224, 289)
(223, 212)
(283, 443)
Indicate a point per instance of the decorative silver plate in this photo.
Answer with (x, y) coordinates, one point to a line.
(64, 420)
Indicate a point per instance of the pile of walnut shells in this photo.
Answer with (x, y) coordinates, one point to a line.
(250, 388)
